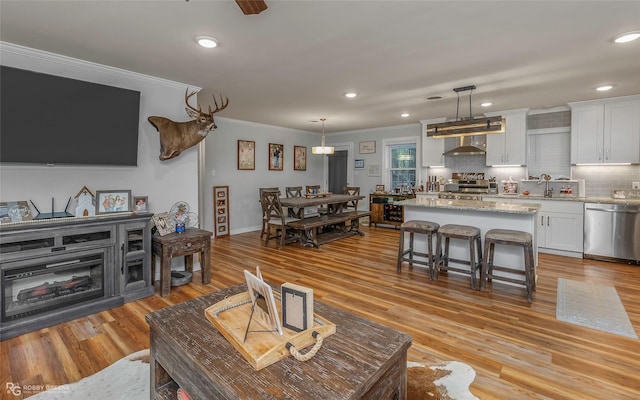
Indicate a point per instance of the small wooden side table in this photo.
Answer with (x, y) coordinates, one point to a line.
(185, 244)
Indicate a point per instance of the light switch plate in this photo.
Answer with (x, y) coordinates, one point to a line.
(635, 185)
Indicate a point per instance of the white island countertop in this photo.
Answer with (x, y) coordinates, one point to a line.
(475, 205)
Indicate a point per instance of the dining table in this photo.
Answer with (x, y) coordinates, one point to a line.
(336, 203)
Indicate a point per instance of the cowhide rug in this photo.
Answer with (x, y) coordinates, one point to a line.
(128, 379)
(445, 381)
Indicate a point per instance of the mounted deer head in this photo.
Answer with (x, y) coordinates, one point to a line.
(175, 137)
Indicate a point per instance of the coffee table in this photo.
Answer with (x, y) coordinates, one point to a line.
(362, 360)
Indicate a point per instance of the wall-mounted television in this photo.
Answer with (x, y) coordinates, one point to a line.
(47, 119)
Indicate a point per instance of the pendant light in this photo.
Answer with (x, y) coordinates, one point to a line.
(466, 127)
(322, 149)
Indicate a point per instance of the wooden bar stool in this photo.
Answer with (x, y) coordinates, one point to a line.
(510, 238)
(474, 238)
(413, 227)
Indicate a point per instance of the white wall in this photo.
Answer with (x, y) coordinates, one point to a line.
(165, 182)
(220, 168)
(361, 176)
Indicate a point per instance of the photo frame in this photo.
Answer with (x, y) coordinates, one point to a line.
(221, 210)
(297, 307)
(15, 211)
(276, 153)
(164, 223)
(113, 201)
(141, 203)
(368, 147)
(299, 158)
(379, 188)
(263, 303)
(374, 170)
(359, 164)
(246, 155)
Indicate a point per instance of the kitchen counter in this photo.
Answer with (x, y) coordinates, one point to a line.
(484, 215)
(475, 205)
(600, 200)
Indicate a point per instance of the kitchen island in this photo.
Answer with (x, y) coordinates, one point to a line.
(484, 215)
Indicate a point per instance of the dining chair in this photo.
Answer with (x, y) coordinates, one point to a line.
(293, 191)
(264, 223)
(276, 220)
(352, 191)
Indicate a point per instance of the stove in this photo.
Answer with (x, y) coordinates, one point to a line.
(465, 186)
(460, 196)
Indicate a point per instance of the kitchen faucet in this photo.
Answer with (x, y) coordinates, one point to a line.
(547, 192)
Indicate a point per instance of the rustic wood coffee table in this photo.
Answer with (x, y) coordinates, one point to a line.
(362, 360)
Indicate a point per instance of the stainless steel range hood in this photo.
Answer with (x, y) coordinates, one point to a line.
(469, 146)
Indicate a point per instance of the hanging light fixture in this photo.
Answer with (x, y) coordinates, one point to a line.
(466, 127)
(322, 149)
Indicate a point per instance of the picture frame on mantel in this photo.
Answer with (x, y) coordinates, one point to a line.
(113, 201)
(368, 147)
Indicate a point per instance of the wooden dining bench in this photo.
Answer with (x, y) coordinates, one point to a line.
(309, 227)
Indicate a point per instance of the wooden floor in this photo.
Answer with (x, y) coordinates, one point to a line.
(519, 350)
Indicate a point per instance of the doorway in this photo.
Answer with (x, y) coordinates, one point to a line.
(337, 170)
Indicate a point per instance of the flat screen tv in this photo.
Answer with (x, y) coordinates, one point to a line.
(48, 119)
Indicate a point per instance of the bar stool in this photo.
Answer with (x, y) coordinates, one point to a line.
(412, 227)
(469, 233)
(510, 238)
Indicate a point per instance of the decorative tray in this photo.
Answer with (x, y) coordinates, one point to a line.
(261, 349)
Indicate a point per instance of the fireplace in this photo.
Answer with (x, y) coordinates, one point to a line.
(52, 271)
(43, 285)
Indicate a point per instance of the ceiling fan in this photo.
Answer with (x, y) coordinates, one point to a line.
(249, 7)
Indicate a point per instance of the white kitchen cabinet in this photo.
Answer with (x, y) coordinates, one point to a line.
(606, 131)
(432, 148)
(509, 147)
(560, 226)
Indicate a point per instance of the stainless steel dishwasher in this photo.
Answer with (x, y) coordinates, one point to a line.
(612, 232)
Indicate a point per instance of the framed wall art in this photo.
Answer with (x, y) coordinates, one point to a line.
(113, 201)
(374, 170)
(140, 203)
(246, 154)
(221, 210)
(359, 164)
(276, 153)
(368, 147)
(299, 158)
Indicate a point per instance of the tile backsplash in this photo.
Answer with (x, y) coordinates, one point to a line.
(600, 181)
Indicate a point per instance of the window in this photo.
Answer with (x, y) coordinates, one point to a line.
(401, 159)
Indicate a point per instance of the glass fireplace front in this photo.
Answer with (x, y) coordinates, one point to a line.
(39, 286)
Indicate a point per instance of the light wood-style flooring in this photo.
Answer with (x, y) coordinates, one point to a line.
(518, 350)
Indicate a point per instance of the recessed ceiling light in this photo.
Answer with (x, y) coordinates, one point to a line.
(434, 97)
(627, 37)
(207, 41)
(487, 104)
(350, 94)
(405, 115)
(604, 88)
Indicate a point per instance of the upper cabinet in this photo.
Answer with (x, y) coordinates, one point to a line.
(432, 148)
(509, 147)
(606, 131)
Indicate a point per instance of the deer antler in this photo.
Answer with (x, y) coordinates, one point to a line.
(224, 103)
(187, 96)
